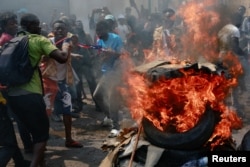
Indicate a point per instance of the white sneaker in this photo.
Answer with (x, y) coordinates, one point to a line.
(107, 122)
(113, 133)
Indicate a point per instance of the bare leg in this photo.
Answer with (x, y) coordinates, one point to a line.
(67, 120)
(38, 156)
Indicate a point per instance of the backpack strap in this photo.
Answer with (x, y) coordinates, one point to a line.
(24, 33)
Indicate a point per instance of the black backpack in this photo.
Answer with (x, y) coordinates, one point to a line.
(15, 65)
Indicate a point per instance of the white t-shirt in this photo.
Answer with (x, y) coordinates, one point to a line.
(61, 69)
(246, 26)
(123, 31)
(226, 34)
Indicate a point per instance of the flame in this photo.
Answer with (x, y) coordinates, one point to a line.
(177, 104)
(180, 102)
(201, 36)
(222, 132)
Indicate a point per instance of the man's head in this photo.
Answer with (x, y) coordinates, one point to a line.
(59, 29)
(110, 19)
(102, 29)
(8, 23)
(79, 25)
(128, 10)
(121, 19)
(168, 13)
(168, 17)
(72, 18)
(242, 10)
(30, 22)
(67, 21)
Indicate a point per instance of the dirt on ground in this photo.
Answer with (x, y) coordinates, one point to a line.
(87, 129)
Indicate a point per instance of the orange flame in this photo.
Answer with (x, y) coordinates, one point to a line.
(201, 36)
(180, 102)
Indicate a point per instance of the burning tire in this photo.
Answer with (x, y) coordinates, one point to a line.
(195, 138)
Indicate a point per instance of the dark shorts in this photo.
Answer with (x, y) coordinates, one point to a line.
(31, 110)
(7, 137)
(62, 104)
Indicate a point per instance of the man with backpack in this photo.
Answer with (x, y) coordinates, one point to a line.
(9, 26)
(26, 100)
(8, 144)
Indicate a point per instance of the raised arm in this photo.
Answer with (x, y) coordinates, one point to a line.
(59, 56)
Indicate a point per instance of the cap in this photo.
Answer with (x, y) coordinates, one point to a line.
(121, 16)
(109, 16)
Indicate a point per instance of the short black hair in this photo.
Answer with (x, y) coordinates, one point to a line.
(5, 17)
(79, 23)
(102, 24)
(242, 7)
(28, 19)
(59, 21)
(169, 11)
(66, 20)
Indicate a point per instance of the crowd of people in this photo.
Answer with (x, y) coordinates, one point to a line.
(67, 55)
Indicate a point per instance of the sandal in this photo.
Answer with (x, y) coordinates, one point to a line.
(73, 144)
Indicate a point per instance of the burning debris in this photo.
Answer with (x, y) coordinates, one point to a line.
(182, 111)
(179, 102)
(177, 99)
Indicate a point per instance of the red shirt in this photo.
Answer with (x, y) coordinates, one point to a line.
(5, 38)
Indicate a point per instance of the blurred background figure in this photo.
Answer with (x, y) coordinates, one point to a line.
(229, 37)
(245, 35)
(123, 29)
(239, 14)
(131, 19)
(97, 15)
(9, 25)
(45, 29)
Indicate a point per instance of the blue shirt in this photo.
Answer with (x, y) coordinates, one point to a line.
(113, 43)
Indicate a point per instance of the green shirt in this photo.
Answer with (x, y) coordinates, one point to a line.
(38, 46)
